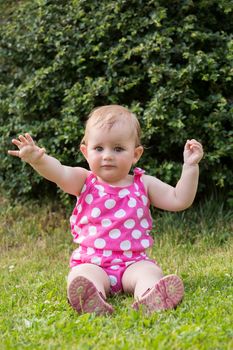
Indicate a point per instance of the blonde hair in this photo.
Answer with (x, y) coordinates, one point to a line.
(110, 115)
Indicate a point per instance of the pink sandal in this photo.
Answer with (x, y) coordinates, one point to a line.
(166, 294)
(85, 298)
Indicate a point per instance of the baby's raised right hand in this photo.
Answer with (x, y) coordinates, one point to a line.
(28, 150)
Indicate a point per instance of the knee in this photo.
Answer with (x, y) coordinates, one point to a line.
(84, 270)
(138, 272)
(91, 271)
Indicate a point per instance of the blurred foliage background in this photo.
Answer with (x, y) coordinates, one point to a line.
(169, 62)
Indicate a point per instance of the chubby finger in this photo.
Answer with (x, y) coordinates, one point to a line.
(197, 149)
(192, 143)
(23, 139)
(188, 145)
(17, 142)
(29, 138)
(196, 145)
(14, 153)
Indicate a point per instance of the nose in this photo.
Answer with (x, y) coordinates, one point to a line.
(107, 154)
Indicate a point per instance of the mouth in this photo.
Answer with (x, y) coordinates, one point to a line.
(108, 166)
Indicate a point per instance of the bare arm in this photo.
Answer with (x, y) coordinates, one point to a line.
(177, 198)
(69, 179)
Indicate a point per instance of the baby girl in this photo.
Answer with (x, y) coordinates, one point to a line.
(111, 221)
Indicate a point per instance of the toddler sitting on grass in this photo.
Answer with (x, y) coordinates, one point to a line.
(111, 221)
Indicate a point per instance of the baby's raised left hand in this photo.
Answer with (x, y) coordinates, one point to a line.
(193, 152)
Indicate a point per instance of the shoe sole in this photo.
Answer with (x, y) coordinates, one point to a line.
(85, 298)
(166, 294)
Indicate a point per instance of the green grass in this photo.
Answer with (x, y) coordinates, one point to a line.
(35, 245)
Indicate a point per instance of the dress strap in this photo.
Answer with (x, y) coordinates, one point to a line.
(138, 183)
(91, 178)
(138, 171)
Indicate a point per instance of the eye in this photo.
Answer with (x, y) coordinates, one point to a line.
(99, 149)
(118, 149)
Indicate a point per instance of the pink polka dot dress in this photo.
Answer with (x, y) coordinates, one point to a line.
(112, 226)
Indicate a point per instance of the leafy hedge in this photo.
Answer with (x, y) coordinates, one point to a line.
(171, 62)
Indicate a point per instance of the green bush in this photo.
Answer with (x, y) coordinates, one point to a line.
(169, 62)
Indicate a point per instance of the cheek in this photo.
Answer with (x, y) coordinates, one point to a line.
(126, 160)
(95, 158)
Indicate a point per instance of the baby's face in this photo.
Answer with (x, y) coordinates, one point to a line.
(111, 153)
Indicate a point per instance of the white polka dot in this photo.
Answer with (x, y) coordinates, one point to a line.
(115, 233)
(95, 212)
(84, 220)
(125, 245)
(127, 263)
(96, 260)
(144, 199)
(90, 251)
(120, 213)
(107, 253)
(73, 219)
(93, 180)
(80, 239)
(132, 203)
(106, 222)
(76, 256)
(89, 199)
(144, 223)
(145, 243)
(110, 203)
(128, 253)
(114, 267)
(84, 188)
(113, 280)
(101, 193)
(129, 223)
(137, 194)
(115, 261)
(79, 208)
(136, 234)
(99, 188)
(92, 230)
(136, 186)
(77, 229)
(123, 193)
(99, 243)
(140, 213)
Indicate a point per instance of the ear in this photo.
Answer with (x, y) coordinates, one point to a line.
(83, 149)
(137, 154)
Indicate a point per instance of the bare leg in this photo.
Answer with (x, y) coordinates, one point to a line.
(141, 276)
(87, 287)
(151, 290)
(93, 273)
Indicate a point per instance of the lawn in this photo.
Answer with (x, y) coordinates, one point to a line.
(35, 245)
